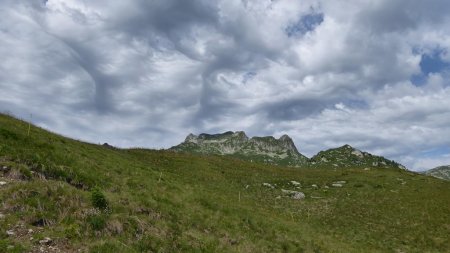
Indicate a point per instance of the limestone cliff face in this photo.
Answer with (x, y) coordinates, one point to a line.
(269, 144)
(266, 149)
(225, 143)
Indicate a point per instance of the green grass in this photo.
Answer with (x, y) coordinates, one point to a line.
(97, 199)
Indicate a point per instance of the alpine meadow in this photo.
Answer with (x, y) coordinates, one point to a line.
(63, 195)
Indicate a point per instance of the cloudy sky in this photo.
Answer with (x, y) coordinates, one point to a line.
(373, 74)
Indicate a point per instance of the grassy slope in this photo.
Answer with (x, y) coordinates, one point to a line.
(162, 201)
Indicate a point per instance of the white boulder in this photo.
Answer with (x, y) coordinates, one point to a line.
(268, 185)
(294, 194)
(295, 183)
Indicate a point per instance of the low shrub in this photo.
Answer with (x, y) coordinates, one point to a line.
(98, 199)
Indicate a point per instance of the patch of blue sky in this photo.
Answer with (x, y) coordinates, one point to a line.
(304, 24)
(435, 152)
(356, 103)
(248, 76)
(430, 63)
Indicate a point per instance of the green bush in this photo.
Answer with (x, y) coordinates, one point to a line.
(98, 199)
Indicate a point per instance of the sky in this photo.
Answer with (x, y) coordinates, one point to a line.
(141, 73)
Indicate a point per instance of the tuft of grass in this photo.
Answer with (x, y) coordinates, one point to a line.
(11, 247)
(97, 222)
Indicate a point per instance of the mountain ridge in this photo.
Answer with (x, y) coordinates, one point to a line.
(281, 151)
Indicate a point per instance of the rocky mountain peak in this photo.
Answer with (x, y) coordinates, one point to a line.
(285, 138)
(288, 142)
(267, 149)
(346, 147)
(191, 138)
(240, 135)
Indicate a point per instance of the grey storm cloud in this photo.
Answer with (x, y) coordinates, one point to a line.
(147, 73)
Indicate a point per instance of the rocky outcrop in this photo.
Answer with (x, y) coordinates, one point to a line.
(347, 156)
(267, 149)
(442, 172)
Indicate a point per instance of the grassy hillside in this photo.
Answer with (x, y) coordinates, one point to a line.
(99, 199)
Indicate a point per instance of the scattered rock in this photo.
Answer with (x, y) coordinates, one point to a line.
(3, 183)
(326, 187)
(294, 194)
(234, 241)
(30, 231)
(298, 195)
(340, 182)
(336, 185)
(314, 186)
(357, 153)
(2, 216)
(366, 168)
(278, 197)
(46, 241)
(268, 185)
(10, 232)
(246, 187)
(295, 183)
